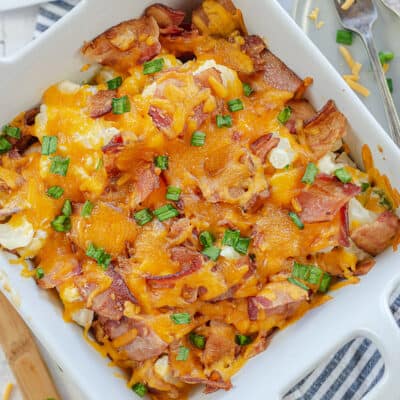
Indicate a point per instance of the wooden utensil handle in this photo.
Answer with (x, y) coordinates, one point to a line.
(23, 355)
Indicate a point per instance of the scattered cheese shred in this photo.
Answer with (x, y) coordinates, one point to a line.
(347, 4)
(357, 87)
(7, 391)
(385, 67)
(353, 79)
(314, 14)
(347, 56)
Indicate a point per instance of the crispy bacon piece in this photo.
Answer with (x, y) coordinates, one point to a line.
(273, 71)
(101, 103)
(212, 384)
(146, 182)
(189, 260)
(110, 303)
(147, 344)
(325, 129)
(324, 198)
(122, 46)
(110, 154)
(364, 266)
(301, 110)
(261, 342)
(375, 237)
(220, 343)
(285, 300)
(263, 145)
(344, 227)
(255, 48)
(168, 19)
(30, 115)
(160, 118)
(278, 75)
(63, 269)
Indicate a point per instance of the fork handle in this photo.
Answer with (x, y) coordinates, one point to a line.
(390, 108)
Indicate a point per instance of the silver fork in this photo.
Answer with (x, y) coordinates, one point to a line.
(360, 18)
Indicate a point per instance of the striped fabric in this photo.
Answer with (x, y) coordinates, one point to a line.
(347, 375)
(52, 12)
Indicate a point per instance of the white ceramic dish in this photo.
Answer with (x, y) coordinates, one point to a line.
(385, 29)
(357, 310)
(6, 5)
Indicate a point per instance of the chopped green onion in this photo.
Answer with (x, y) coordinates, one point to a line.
(224, 121)
(296, 219)
(5, 145)
(142, 217)
(100, 164)
(87, 209)
(310, 174)
(390, 84)
(206, 238)
(161, 162)
(67, 208)
(386, 57)
(115, 83)
(39, 273)
(243, 340)
(298, 283)
(383, 199)
(12, 131)
(198, 139)
(315, 275)
(181, 318)
(212, 252)
(242, 245)
(343, 175)
(61, 223)
(284, 115)
(365, 186)
(325, 283)
(183, 353)
(55, 192)
(153, 66)
(140, 389)
(99, 254)
(166, 212)
(311, 274)
(173, 193)
(344, 36)
(121, 105)
(235, 105)
(49, 145)
(59, 165)
(198, 341)
(230, 238)
(247, 89)
(300, 271)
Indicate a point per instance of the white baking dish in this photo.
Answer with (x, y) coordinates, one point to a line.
(356, 310)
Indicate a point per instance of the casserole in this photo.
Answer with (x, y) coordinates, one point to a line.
(317, 101)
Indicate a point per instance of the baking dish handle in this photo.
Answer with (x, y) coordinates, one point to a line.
(384, 332)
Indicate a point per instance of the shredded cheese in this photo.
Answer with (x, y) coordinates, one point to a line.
(7, 392)
(347, 4)
(357, 87)
(353, 79)
(314, 14)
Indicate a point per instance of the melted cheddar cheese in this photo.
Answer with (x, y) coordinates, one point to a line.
(74, 200)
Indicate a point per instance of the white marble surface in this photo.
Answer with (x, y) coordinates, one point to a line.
(16, 29)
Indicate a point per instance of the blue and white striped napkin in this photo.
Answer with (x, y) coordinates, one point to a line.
(347, 375)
